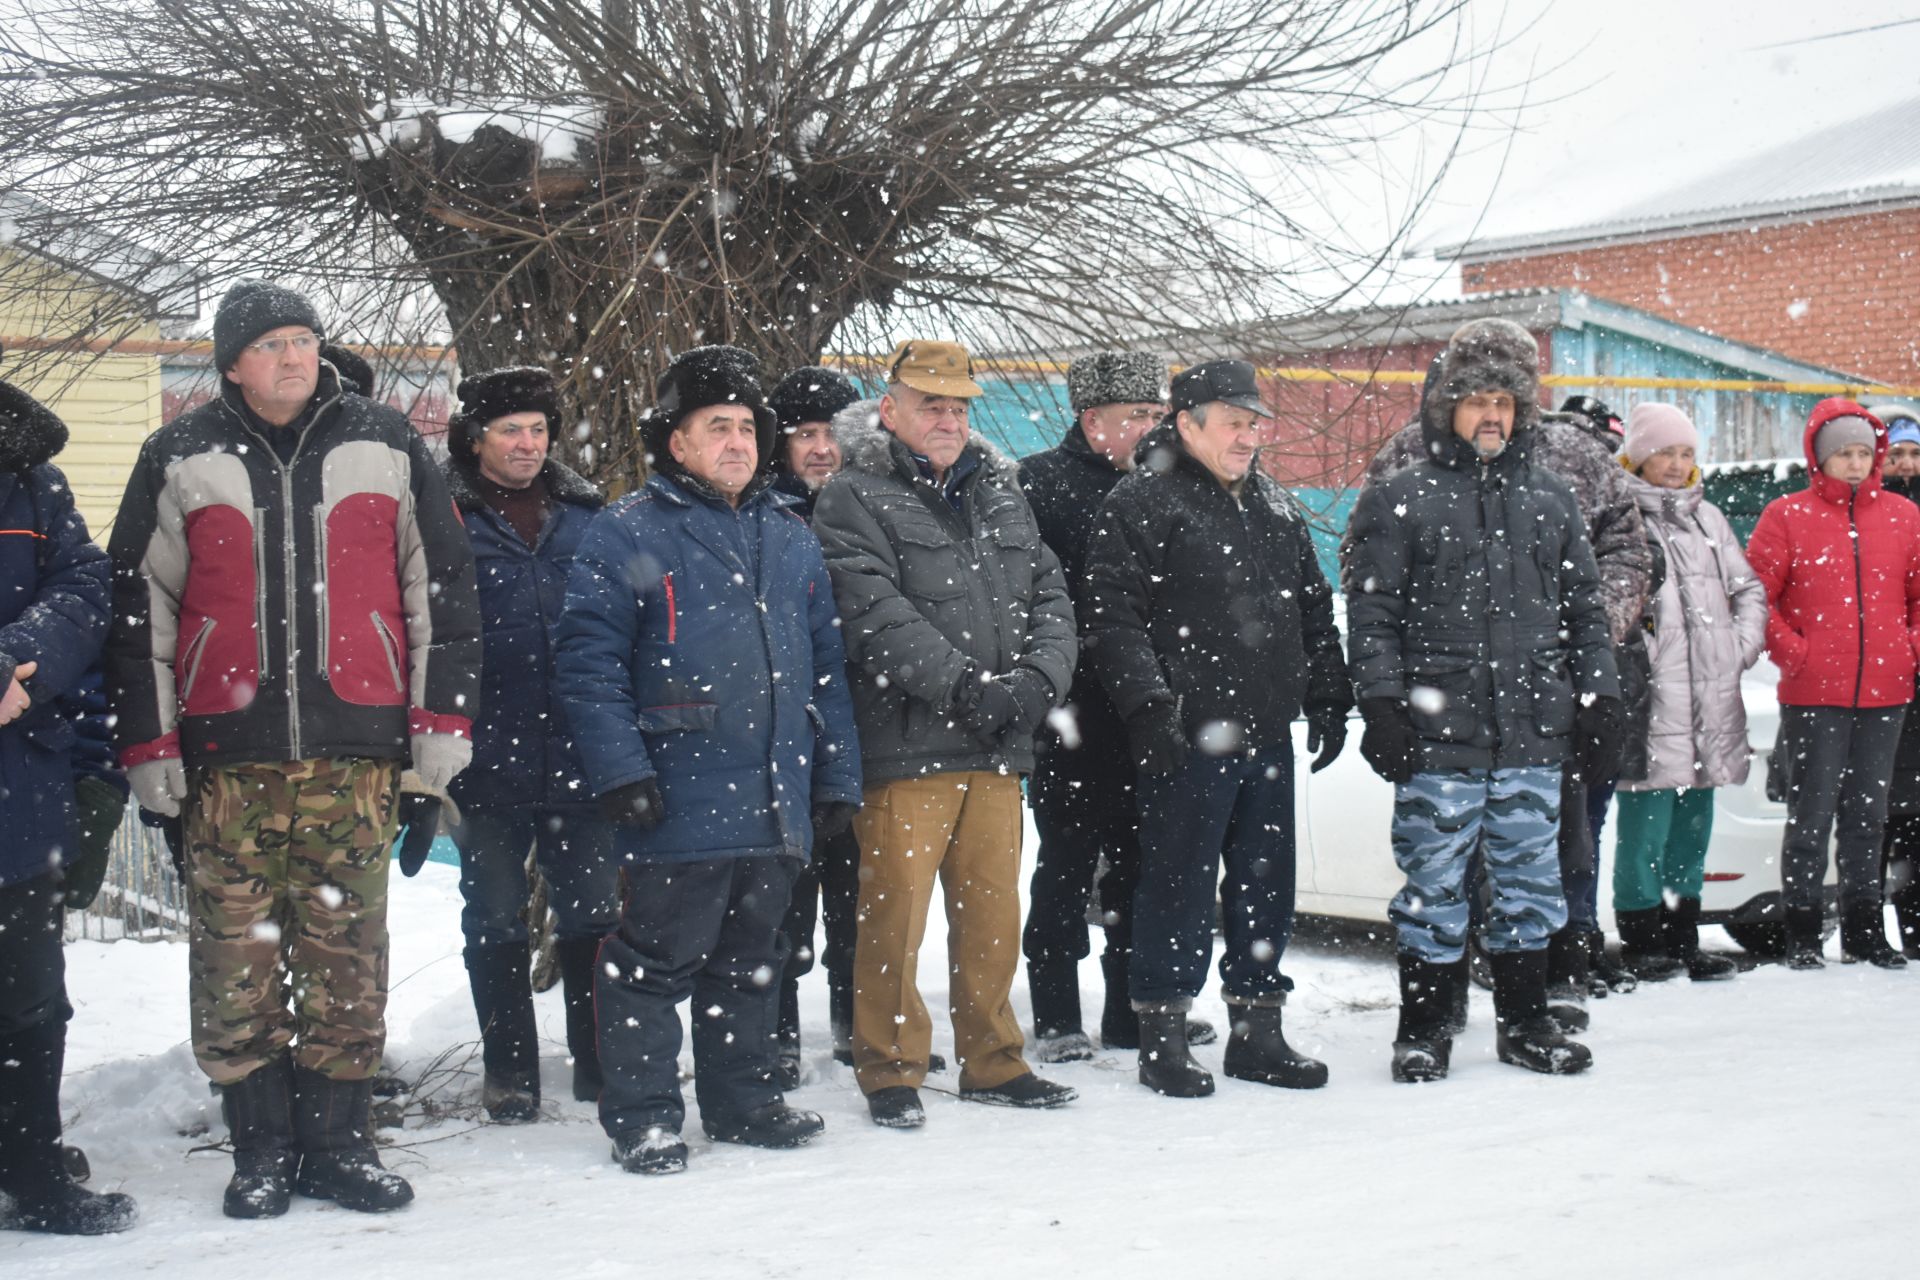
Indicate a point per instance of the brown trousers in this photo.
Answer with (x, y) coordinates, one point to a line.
(964, 828)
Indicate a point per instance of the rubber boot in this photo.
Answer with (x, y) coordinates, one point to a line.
(1054, 985)
(333, 1124)
(1166, 1065)
(1804, 925)
(1567, 966)
(1643, 945)
(1528, 1036)
(509, 1036)
(1863, 936)
(1604, 973)
(1257, 1049)
(1459, 991)
(578, 957)
(1681, 926)
(33, 1174)
(1423, 1045)
(259, 1115)
(1119, 1023)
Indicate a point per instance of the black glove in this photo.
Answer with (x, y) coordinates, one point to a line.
(1390, 744)
(172, 830)
(419, 823)
(831, 817)
(637, 804)
(993, 710)
(1599, 736)
(1157, 738)
(1326, 734)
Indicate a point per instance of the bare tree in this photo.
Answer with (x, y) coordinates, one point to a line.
(598, 185)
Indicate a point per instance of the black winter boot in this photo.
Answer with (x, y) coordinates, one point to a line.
(35, 1192)
(259, 1114)
(509, 1037)
(578, 957)
(1604, 973)
(1804, 925)
(1528, 1036)
(1567, 966)
(1906, 917)
(1423, 1046)
(1863, 936)
(333, 1124)
(1643, 945)
(840, 1016)
(1054, 984)
(775, 1126)
(656, 1150)
(1119, 1024)
(1166, 1066)
(786, 1036)
(1258, 1051)
(1681, 926)
(1459, 994)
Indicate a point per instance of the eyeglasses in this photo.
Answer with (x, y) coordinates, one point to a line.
(301, 343)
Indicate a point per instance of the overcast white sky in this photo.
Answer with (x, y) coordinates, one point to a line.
(1632, 96)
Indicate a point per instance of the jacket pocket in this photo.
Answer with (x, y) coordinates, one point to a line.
(1553, 711)
(680, 717)
(390, 649)
(1440, 697)
(930, 564)
(191, 659)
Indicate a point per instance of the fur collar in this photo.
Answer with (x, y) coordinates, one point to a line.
(564, 484)
(869, 448)
(30, 433)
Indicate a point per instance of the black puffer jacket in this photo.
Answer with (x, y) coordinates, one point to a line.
(1215, 601)
(1473, 595)
(1065, 486)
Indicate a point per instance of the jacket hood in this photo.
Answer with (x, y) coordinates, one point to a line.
(1825, 486)
(564, 484)
(869, 445)
(30, 433)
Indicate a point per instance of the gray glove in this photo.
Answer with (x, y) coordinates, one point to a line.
(437, 757)
(160, 785)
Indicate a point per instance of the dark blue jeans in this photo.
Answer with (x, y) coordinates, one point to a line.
(1238, 810)
(575, 851)
(710, 930)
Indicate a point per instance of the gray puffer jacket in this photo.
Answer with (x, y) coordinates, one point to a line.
(1709, 625)
(932, 597)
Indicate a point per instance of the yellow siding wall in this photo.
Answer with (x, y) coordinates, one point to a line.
(110, 403)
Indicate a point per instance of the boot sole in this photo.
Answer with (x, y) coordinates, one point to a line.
(766, 1144)
(1196, 1091)
(352, 1203)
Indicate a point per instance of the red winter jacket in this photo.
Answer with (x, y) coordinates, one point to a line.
(1841, 566)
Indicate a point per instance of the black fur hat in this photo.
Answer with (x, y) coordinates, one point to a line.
(355, 373)
(251, 308)
(810, 394)
(701, 377)
(30, 433)
(497, 393)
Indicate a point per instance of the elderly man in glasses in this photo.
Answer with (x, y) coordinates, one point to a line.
(960, 640)
(294, 619)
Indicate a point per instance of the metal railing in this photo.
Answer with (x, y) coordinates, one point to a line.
(142, 896)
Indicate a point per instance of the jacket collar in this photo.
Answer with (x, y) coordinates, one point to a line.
(564, 484)
(682, 489)
(873, 449)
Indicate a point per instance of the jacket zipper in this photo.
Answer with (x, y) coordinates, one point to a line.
(321, 611)
(259, 589)
(1859, 597)
(389, 648)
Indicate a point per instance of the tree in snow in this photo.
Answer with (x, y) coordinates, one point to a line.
(596, 186)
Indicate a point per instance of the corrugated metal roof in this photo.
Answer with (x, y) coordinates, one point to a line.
(1871, 160)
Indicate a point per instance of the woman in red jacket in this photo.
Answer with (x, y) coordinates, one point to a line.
(1841, 565)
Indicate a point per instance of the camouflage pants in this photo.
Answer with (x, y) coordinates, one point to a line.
(287, 887)
(1439, 818)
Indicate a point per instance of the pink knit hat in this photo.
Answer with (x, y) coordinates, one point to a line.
(1652, 427)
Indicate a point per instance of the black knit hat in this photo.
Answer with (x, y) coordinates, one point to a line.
(810, 394)
(30, 433)
(701, 377)
(497, 393)
(251, 308)
(355, 372)
(1116, 377)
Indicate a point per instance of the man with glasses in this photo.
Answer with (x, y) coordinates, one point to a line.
(1082, 787)
(294, 617)
(960, 640)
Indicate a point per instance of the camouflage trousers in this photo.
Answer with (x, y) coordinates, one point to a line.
(287, 889)
(1439, 819)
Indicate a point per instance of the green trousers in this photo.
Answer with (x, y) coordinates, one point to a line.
(1660, 845)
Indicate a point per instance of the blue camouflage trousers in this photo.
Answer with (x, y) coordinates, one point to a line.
(1439, 818)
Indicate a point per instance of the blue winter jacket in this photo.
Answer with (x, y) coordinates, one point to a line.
(523, 754)
(55, 584)
(701, 646)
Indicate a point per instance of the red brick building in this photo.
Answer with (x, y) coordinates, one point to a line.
(1810, 249)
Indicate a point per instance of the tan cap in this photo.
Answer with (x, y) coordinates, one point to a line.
(937, 368)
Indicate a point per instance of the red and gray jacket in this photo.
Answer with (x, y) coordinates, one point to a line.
(266, 612)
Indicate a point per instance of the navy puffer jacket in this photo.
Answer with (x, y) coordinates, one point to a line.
(55, 585)
(700, 646)
(523, 753)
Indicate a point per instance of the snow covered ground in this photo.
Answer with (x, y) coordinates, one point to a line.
(1764, 1124)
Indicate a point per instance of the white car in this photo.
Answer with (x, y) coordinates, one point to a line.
(1346, 866)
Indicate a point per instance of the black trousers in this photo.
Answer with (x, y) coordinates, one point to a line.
(33, 1031)
(829, 887)
(1081, 816)
(709, 930)
(33, 968)
(1839, 767)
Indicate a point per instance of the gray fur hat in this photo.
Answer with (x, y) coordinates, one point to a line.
(1488, 355)
(1116, 377)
